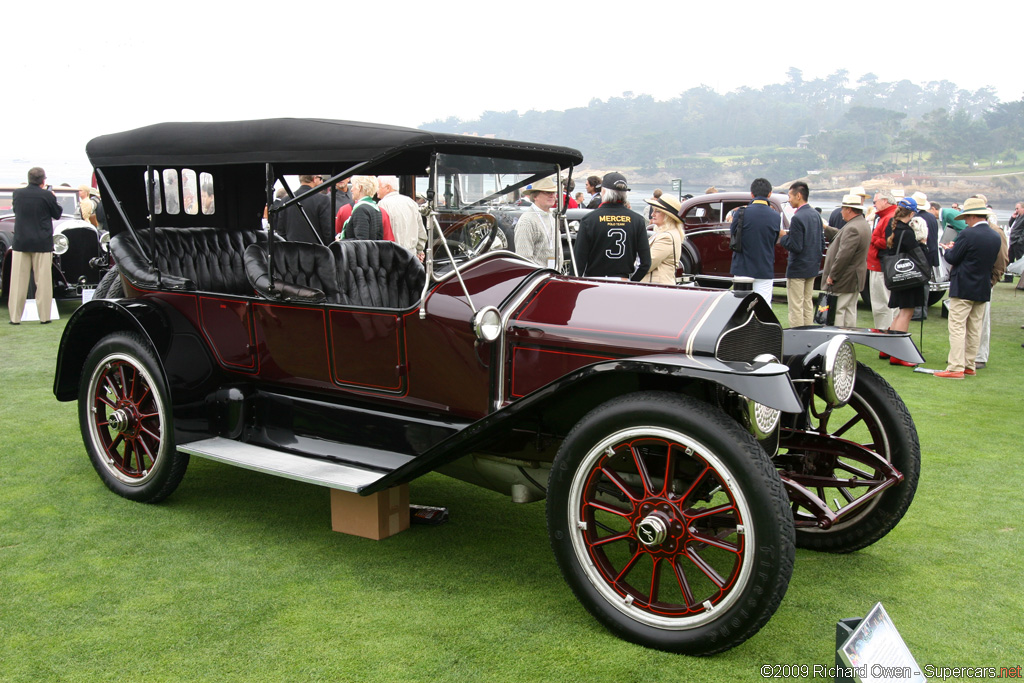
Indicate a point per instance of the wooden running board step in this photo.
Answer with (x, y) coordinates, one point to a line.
(287, 465)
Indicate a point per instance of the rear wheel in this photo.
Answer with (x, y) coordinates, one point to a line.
(670, 524)
(124, 412)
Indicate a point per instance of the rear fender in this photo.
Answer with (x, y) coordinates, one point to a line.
(94, 320)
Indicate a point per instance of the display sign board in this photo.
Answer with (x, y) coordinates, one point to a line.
(876, 652)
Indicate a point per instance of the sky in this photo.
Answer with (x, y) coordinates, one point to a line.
(72, 74)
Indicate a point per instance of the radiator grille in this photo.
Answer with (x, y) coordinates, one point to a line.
(748, 341)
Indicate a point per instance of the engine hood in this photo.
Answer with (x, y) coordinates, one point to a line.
(619, 318)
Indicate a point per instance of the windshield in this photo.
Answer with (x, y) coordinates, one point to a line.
(482, 183)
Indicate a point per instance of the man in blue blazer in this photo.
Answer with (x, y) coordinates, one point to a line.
(759, 225)
(970, 286)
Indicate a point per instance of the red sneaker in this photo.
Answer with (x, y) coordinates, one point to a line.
(896, 361)
(946, 374)
(970, 372)
(883, 356)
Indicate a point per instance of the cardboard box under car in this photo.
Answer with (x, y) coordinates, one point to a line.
(376, 516)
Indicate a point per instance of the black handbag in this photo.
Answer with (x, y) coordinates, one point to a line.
(825, 313)
(905, 270)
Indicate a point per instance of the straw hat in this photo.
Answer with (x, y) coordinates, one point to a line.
(859, 191)
(974, 207)
(668, 205)
(542, 185)
(921, 198)
(853, 201)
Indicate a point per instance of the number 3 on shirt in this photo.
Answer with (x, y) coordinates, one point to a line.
(618, 250)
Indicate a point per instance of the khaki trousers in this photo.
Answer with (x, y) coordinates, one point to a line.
(965, 318)
(879, 300)
(800, 292)
(846, 309)
(40, 263)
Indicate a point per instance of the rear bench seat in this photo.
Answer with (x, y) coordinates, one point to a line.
(203, 259)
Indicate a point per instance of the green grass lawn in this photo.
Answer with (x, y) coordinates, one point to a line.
(238, 576)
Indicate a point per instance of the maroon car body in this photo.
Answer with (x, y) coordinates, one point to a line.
(684, 442)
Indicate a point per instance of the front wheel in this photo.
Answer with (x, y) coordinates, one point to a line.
(124, 412)
(670, 524)
(876, 418)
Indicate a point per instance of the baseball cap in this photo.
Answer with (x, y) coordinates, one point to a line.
(615, 181)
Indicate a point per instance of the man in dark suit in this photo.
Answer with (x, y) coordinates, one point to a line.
(34, 211)
(759, 225)
(294, 226)
(1017, 232)
(970, 286)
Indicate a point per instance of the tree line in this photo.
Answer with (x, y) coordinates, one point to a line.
(781, 130)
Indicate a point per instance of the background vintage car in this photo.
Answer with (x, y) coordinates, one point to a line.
(706, 252)
(80, 240)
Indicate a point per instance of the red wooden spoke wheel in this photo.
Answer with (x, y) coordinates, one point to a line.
(670, 523)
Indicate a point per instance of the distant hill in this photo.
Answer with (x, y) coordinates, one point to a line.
(825, 128)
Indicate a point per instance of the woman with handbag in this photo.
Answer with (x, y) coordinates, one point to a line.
(909, 234)
(666, 241)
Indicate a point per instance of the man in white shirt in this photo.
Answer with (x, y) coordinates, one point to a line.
(406, 220)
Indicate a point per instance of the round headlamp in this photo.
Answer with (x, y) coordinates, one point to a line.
(60, 244)
(487, 324)
(761, 420)
(840, 370)
(105, 241)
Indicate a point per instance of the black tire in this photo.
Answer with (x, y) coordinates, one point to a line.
(877, 418)
(936, 297)
(110, 285)
(124, 412)
(602, 529)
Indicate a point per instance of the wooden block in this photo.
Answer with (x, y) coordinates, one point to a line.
(376, 516)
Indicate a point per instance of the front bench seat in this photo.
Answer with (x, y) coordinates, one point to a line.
(378, 273)
(302, 272)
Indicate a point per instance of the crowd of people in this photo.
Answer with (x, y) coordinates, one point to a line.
(976, 253)
(616, 242)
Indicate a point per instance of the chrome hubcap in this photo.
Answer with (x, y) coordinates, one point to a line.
(118, 420)
(651, 531)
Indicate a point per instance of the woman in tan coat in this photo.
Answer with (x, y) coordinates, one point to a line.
(666, 241)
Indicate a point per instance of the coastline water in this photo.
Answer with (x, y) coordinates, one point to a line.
(70, 171)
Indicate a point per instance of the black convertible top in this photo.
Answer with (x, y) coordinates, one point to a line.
(303, 143)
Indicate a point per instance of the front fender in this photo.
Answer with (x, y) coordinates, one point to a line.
(764, 382)
(798, 342)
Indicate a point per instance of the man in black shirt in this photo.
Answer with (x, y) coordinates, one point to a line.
(34, 211)
(612, 240)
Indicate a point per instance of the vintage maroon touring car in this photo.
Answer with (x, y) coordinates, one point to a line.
(684, 442)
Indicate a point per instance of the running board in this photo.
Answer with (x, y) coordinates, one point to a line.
(309, 470)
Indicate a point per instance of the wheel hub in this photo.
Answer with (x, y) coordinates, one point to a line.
(660, 529)
(119, 420)
(651, 531)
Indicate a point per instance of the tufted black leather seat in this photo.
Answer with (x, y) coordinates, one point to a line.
(302, 272)
(205, 259)
(378, 274)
